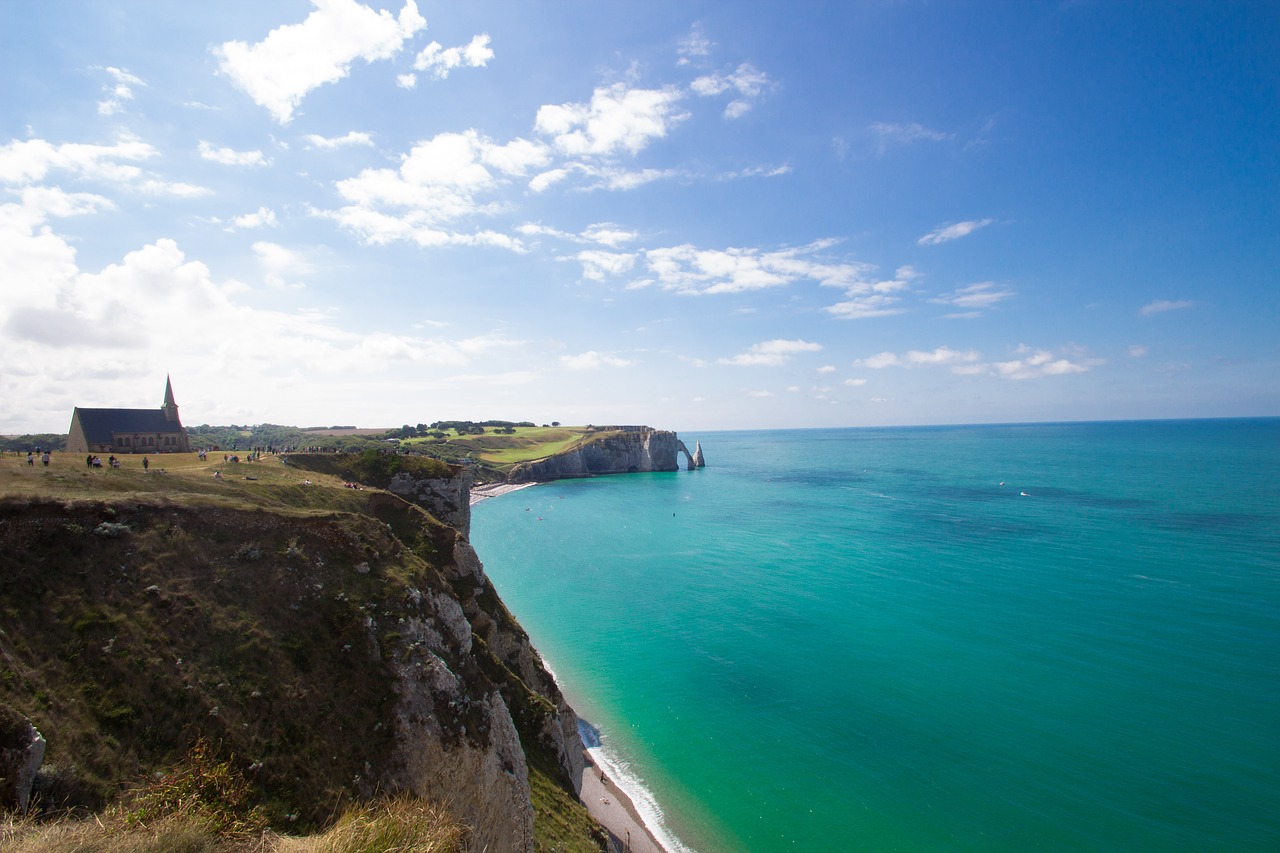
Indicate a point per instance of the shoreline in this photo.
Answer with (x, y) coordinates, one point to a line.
(613, 808)
(607, 792)
(493, 490)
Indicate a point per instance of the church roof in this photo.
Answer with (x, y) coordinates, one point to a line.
(99, 424)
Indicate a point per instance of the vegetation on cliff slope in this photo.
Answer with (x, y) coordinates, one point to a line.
(144, 612)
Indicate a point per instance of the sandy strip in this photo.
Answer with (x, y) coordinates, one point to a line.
(606, 802)
(492, 490)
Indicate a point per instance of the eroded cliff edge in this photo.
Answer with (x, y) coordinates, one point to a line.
(337, 654)
(611, 450)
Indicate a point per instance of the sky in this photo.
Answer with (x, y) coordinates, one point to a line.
(693, 215)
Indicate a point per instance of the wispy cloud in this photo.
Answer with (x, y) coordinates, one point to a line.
(746, 80)
(279, 71)
(1160, 306)
(354, 137)
(889, 135)
(592, 360)
(953, 231)
(1029, 364)
(694, 45)
(231, 157)
(975, 298)
(770, 353)
(690, 270)
(119, 90)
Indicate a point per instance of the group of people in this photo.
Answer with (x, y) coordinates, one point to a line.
(44, 457)
(92, 461)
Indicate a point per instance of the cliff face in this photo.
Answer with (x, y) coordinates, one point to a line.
(335, 655)
(619, 452)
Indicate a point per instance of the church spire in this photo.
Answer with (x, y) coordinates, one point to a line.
(170, 407)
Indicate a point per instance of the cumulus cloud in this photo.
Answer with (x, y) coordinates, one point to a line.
(279, 71)
(231, 157)
(439, 61)
(353, 137)
(770, 353)
(592, 360)
(617, 119)
(748, 82)
(1160, 306)
(855, 383)
(953, 231)
(439, 184)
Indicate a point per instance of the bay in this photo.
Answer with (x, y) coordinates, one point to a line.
(1049, 636)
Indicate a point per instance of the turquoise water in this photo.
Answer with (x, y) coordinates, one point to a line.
(861, 640)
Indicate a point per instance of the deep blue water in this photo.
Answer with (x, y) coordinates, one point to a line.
(1044, 637)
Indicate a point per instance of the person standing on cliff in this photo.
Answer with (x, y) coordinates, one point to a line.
(145, 464)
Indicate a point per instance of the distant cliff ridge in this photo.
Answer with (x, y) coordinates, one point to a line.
(612, 450)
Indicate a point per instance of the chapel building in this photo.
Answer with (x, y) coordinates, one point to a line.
(129, 430)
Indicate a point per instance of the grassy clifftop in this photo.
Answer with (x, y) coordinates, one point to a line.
(262, 611)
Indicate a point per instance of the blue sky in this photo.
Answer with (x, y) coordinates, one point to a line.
(695, 215)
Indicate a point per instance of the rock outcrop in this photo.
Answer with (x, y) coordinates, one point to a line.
(21, 751)
(609, 451)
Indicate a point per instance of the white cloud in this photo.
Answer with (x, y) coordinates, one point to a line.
(440, 61)
(1038, 363)
(593, 360)
(693, 45)
(278, 72)
(689, 270)
(617, 119)
(975, 298)
(827, 368)
(878, 361)
(953, 231)
(231, 157)
(1137, 351)
(770, 353)
(32, 160)
(597, 265)
(759, 393)
(749, 82)
(888, 135)
(865, 307)
(439, 183)
(940, 356)
(29, 161)
(353, 137)
(279, 262)
(119, 91)
(263, 217)
(1159, 306)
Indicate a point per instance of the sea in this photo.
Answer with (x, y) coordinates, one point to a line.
(1043, 637)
